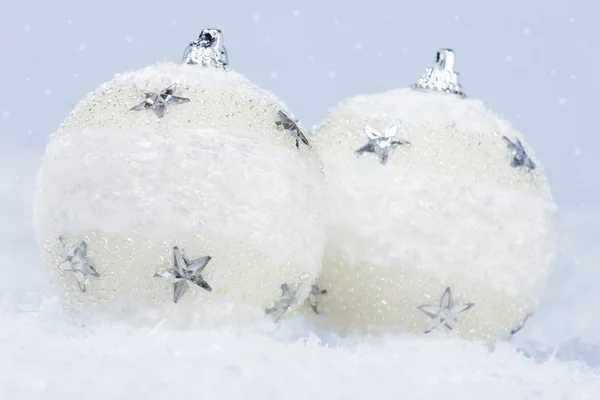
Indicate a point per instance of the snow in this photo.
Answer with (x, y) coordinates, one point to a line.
(44, 354)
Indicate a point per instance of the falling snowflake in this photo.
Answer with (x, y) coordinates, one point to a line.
(27, 28)
(571, 20)
(526, 31)
(509, 58)
(48, 92)
(274, 74)
(82, 47)
(128, 39)
(562, 101)
(358, 46)
(5, 114)
(256, 17)
(331, 74)
(296, 13)
(577, 151)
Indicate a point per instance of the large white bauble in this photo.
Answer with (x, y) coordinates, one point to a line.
(448, 210)
(214, 176)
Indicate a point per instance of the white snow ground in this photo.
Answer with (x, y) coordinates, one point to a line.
(46, 354)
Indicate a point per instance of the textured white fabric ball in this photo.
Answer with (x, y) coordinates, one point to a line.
(447, 210)
(214, 176)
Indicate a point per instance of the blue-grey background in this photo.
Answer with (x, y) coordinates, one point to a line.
(531, 61)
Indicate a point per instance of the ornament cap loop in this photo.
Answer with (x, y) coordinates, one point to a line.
(445, 59)
(208, 50)
(442, 77)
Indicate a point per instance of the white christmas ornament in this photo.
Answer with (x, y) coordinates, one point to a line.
(428, 190)
(180, 183)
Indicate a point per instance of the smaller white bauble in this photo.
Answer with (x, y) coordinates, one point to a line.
(445, 210)
(215, 176)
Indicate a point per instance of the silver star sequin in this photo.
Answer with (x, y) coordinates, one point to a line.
(446, 313)
(520, 325)
(313, 297)
(208, 50)
(286, 123)
(288, 296)
(78, 262)
(381, 143)
(286, 300)
(185, 271)
(519, 155)
(159, 101)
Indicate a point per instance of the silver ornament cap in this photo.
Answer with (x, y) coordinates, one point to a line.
(208, 50)
(442, 77)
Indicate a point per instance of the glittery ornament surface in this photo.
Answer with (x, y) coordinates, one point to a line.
(448, 210)
(214, 176)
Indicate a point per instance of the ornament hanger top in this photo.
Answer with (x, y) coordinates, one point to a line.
(208, 50)
(442, 77)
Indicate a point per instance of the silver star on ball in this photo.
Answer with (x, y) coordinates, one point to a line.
(285, 301)
(520, 158)
(78, 262)
(289, 125)
(185, 271)
(313, 297)
(381, 143)
(159, 101)
(520, 325)
(446, 313)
